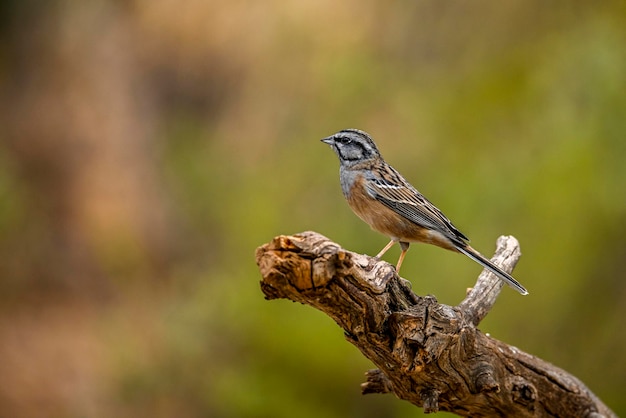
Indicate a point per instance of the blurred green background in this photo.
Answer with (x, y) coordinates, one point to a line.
(148, 147)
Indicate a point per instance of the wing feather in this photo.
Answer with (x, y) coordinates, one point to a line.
(395, 192)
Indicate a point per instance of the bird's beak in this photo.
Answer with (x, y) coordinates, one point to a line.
(329, 140)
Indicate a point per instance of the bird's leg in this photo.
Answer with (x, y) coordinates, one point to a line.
(387, 247)
(405, 247)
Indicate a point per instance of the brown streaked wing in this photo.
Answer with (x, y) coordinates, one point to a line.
(395, 192)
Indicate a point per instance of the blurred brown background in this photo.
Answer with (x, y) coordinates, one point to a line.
(147, 148)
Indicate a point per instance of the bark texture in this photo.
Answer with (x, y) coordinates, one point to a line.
(427, 353)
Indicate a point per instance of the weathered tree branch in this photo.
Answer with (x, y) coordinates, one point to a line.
(483, 295)
(429, 354)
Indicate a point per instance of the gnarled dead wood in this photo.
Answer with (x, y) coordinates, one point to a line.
(427, 353)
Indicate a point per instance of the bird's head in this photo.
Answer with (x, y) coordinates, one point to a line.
(352, 146)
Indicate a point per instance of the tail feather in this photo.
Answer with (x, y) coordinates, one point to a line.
(480, 259)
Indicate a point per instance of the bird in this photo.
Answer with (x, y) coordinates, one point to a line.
(379, 195)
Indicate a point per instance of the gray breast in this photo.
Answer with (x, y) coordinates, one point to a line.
(347, 177)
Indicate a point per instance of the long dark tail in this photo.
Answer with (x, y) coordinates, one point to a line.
(480, 259)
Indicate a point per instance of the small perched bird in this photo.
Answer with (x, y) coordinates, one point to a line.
(381, 197)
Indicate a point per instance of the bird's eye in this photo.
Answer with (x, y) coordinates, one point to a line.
(345, 140)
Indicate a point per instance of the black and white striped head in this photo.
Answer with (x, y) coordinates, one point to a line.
(352, 146)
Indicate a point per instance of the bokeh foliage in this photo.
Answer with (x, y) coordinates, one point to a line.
(148, 147)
